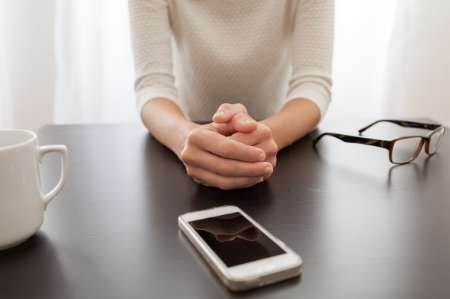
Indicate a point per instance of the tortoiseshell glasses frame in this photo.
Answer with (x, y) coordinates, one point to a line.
(432, 140)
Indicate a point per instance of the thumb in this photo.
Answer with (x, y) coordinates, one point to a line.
(238, 123)
(234, 118)
(226, 112)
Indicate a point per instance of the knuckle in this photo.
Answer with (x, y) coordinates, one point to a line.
(186, 156)
(225, 106)
(190, 171)
(265, 131)
(273, 161)
(272, 149)
(193, 136)
(225, 184)
(240, 115)
(250, 154)
(275, 146)
(225, 168)
(224, 149)
(256, 171)
(241, 107)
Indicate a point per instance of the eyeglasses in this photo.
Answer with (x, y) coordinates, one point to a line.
(401, 150)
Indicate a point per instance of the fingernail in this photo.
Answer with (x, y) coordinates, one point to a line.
(219, 113)
(260, 180)
(267, 171)
(261, 157)
(249, 121)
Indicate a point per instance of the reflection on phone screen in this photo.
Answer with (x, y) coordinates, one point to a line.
(235, 239)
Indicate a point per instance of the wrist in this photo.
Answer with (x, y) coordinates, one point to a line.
(294, 121)
(167, 123)
(275, 124)
(186, 127)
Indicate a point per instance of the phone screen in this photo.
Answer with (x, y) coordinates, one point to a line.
(235, 239)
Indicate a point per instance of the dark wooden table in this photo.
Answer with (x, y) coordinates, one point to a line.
(365, 228)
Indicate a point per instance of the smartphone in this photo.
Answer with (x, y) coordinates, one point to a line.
(241, 252)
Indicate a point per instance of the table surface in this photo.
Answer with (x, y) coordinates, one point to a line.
(364, 227)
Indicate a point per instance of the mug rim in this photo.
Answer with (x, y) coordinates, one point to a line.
(16, 145)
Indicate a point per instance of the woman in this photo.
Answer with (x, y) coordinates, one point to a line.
(273, 57)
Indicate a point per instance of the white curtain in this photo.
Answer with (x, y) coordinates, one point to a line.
(5, 95)
(27, 66)
(95, 73)
(418, 63)
(362, 35)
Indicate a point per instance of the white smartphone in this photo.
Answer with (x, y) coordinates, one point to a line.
(241, 252)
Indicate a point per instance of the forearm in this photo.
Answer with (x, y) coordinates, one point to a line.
(293, 122)
(167, 123)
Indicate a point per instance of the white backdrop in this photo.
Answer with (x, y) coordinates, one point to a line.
(418, 65)
(95, 73)
(362, 35)
(69, 61)
(27, 63)
(5, 94)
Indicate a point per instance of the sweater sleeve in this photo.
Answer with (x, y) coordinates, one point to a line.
(312, 53)
(152, 51)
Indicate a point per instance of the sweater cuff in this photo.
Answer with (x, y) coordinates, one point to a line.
(151, 93)
(320, 98)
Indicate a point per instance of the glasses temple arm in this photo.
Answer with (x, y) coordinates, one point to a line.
(407, 124)
(355, 139)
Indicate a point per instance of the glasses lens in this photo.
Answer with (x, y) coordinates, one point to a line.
(435, 140)
(405, 150)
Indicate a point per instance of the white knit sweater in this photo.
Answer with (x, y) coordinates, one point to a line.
(261, 53)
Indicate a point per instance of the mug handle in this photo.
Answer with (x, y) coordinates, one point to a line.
(63, 151)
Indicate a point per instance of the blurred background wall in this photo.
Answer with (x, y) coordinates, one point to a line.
(27, 63)
(418, 63)
(69, 61)
(362, 36)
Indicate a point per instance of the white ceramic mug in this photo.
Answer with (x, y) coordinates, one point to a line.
(22, 203)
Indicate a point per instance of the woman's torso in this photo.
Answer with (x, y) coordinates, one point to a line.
(232, 51)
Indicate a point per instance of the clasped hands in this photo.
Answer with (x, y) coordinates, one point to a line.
(232, 152)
